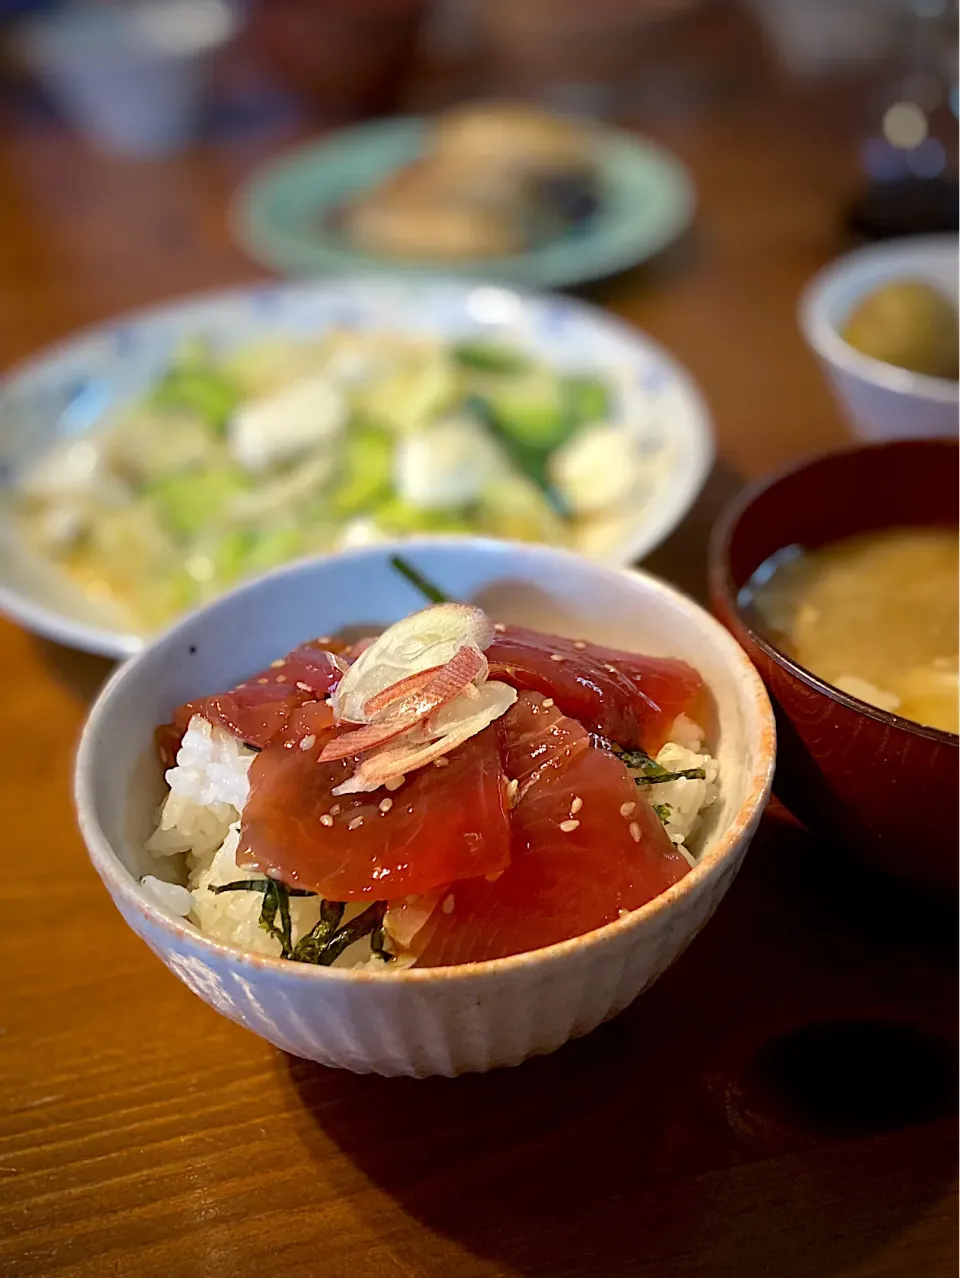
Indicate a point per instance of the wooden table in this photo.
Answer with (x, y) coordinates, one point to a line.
(698, 1134)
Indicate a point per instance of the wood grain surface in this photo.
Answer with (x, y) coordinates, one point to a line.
(780, 1104)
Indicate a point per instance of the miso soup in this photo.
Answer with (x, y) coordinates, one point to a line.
(875, 615)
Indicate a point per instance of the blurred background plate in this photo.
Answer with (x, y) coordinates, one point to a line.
(68, 389)
(282, 216)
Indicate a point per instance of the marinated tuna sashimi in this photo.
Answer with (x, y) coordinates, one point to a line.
(476, 791)
(630, 699)
(585, 846)
(440, 825)
(260, 709)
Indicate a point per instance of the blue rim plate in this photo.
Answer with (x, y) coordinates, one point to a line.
(68, 389)
(280, 215)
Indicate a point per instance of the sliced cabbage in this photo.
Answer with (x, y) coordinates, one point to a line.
(448, 464)
(598, 468)
(516, 509)
(424, 384)
(301, 417)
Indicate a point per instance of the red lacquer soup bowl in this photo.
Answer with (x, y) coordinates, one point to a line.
(873, 783)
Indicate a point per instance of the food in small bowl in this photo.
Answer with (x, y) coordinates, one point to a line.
(443, 847)
(495, 179)
(883, 323)
(840, 580)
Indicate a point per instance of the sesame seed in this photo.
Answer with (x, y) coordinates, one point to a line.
(512, 788)
(263, 681)
(441, 763)
(569, 826)
(556, 656)
(280, 661)
(627, 809)
(622, 914)
(607, 666)
(634, 831)
(308, 742)
(304, 687)
(447, 906)
(335, 810)
(386, 805)
(281, 678)
(355, 824)
(499, 627)
(324, 639)
(576, 805)
(579, 645)
(547, 703)
(239, 685)
(326, 819)
(394, 783)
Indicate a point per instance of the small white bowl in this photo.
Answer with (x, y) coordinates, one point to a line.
(880, 400)
(436, 1020)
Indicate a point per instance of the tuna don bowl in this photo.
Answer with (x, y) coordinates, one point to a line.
(430, 814)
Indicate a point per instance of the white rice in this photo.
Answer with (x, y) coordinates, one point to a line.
(199, 823)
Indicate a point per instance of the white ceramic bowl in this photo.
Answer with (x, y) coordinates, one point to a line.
(67, 390)
(881, 401)
(441, 1020)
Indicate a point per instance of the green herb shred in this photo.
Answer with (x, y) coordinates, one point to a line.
(418, 581)
(663, 811)
(653, 773)
(310, 946)
(365, 924)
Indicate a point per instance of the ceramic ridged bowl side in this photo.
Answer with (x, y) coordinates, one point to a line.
(503, 1016)
(435, 1020)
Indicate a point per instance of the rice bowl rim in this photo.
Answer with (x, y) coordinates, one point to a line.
(751, 693)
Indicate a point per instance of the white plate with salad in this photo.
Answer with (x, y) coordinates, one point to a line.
(149, 464)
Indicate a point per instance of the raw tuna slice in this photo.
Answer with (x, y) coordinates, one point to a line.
(585, 845)
(261, 709)
(442, 823)
(629, 698)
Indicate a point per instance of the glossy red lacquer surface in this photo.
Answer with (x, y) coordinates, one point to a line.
(873, 783)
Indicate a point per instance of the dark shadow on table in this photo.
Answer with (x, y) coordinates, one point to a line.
(662, 1144)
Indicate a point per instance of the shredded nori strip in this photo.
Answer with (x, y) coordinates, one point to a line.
(653, 773)
(663, 811)
(258, 885)
(276, 900)
(327, 939)
(310, 946)
(377, 943)
(364, 924)
(418, 581)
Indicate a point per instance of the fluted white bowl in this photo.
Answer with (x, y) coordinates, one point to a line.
(437, 1020)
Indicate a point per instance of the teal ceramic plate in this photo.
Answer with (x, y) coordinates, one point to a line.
(281, 216)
